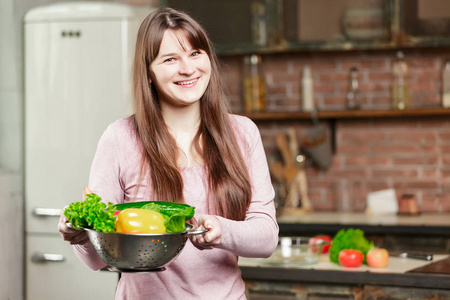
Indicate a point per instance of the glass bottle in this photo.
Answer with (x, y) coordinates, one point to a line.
(307, 90)
(400, 87)
(353, 94)
(254, 86)
(446, 85)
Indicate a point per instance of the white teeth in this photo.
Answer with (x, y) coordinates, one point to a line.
(187, 82)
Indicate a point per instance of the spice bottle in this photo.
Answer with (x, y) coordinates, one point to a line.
(400, 87)
(446, 85)
(307, 90)
(254, 86)
(353, 94)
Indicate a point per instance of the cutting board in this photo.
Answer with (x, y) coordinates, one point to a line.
(396, 264)
(441, 267)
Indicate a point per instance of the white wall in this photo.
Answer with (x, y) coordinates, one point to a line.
(11, 147)
(11, 137)
(11, 236)
(10, 90)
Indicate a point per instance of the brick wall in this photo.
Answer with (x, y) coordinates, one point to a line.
(411, 155)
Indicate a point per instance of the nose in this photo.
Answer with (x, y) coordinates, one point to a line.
(186, 67)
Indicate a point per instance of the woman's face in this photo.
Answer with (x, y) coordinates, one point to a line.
(181, 73)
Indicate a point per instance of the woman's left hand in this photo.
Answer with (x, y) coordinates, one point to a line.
(210, 239)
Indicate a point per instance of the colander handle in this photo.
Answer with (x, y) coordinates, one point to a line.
(196, 232)
(69, 225)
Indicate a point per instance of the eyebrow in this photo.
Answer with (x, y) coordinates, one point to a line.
(175, 53)
(167, 54)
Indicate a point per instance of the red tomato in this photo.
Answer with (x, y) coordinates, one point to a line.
(116, 213)
(351, 258)
(377, 258)
(318, 239)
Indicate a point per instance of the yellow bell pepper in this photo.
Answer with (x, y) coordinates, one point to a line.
(136, 220)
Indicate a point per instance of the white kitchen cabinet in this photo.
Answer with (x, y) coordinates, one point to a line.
(54, 272)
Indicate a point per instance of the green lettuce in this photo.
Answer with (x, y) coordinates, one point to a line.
(92, 214)
(173, 220)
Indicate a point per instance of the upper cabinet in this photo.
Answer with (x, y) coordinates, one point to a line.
(267, 26)
(424, 23)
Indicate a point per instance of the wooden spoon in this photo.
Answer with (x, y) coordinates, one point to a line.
(290, 169)
(283, 146)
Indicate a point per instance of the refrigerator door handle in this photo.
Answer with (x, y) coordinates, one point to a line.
(46, 257)
(47, 212)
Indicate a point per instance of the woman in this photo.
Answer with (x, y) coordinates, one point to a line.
(183, 145)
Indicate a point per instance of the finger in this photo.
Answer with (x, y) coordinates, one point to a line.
(86, 191)
(200, 243)
(212, 236)
(198, 237)
(208, 224)
(79, 238)
(68, 230)
(209, 221)
(67, 233)
(194, 221)
(206, 242)
(72, 235)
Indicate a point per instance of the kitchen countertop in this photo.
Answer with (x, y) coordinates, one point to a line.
(404, 272)
(424, 224)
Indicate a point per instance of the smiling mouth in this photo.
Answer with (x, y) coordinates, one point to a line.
(187, 82)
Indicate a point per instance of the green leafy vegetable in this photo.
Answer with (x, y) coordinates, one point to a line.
(174, 220)
(91, 213)
(349, 239)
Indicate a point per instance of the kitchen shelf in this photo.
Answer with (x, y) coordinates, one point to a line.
(272, 27)
(333, 116)
(349, 114)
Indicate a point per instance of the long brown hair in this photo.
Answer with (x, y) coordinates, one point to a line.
(228, 177)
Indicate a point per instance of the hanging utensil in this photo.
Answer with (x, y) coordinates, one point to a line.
(316, 144)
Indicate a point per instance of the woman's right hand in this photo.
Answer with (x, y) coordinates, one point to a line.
(73, 236)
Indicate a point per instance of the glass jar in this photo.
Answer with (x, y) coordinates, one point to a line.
(307, 90)
(400, 86)
(353, 94)
(446, 85)
(253, 85)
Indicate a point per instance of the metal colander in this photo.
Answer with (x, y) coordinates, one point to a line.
(147, 252)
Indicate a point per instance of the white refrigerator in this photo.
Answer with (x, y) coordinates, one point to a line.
(78, 58)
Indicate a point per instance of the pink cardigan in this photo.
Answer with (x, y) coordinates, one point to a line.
(195, 274)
